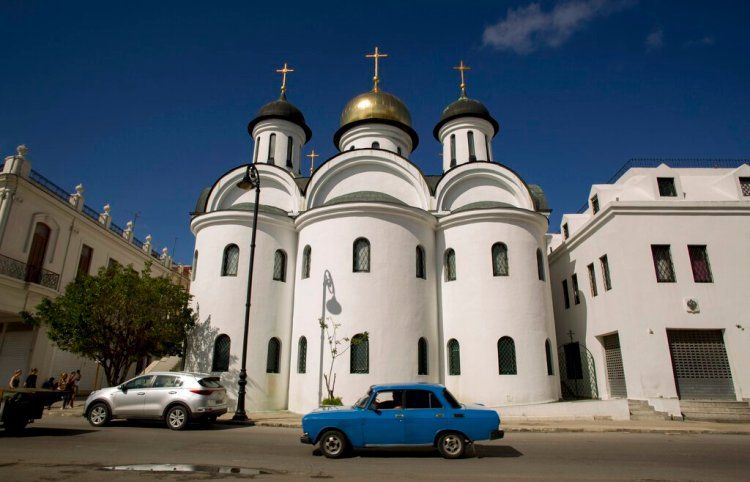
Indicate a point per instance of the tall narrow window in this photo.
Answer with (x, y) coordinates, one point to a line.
(306, 255)
(487, 148)
(194, 268)
(376, 145)
(548, 353)
(302, 355)
(84, 262)
(666, 187)
(421, 267)
(273, 360)
(499, 259)
(663, 263)
(566, 296)
(361, 256)
(289, 147)
(595, 204)
(506, 356)
(230, 260)
(37, 253)
(257, 148)
(540, 264)
(605, 273)
(449, 264)
(359, 354)
(566, 231)
(279, 265)
(398, 150)
(220, 361)
(271, 148)
(745, 186)
(576, 293)
(454, 357)
(592, 280)
(472, 150)
(699, 263)
(422, 368)
(452, 145)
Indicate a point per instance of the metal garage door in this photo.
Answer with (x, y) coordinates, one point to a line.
(615, 370)
(700, 364)
(14, 354)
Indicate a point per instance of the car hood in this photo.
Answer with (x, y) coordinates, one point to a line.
(324, 411)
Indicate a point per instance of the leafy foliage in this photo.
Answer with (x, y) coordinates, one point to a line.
(118, 317)
(333, 402)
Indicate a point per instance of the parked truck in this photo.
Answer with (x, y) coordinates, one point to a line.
(21, 406)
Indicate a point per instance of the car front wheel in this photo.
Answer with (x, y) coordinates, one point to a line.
(99, 414)
(333, 444)
(177, 417)
(452, 445)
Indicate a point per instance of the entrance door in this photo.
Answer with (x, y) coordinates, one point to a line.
(700, 364)
(615, 370)
(36, 253)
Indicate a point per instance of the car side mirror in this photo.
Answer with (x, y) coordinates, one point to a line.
(374, 408)
(123, 388)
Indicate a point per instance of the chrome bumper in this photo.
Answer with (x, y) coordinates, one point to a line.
(497, 434)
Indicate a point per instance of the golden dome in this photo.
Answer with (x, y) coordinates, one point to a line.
(375, 105)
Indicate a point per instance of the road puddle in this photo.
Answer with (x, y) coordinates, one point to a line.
(190, 468)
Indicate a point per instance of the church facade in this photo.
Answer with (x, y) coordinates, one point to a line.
(435, 278)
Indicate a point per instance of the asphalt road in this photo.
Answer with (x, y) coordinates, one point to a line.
(67, 448)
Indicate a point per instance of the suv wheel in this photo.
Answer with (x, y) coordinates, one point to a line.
(452, 445)
(177, 417)
(99, 414)
(333, 444)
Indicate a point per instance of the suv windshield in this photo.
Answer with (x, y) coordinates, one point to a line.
(212, 382)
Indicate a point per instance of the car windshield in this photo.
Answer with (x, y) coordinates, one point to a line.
(212, 382)
(363, 401)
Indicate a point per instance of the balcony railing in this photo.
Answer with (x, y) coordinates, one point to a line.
(32, 274)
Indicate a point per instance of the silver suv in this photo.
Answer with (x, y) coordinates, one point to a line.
(176, 397)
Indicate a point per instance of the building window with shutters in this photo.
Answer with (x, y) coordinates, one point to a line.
(302, 355)
(452, 146)
(361, 256)
(663, 263)
(566, 296)
(279, 265)
(289, 147)
(454, 357)
(592, 279)
(84, 262)
(230, 260)
(449, 265)
(548, 354)
(271, 148)
(540, 264)
(605, 272)
(506, 356)
(745, 186)
(37, 253)
(359, 354)
(595, 204)
(472, 150)
(221, 354)
(576, 293)
(273, 360)
(666, 187)
(421, 265)
(499, 259)
(306, 255)
(699, 263)
(422, 360)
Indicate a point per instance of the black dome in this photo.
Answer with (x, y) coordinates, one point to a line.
(281, 109)
(465, 107)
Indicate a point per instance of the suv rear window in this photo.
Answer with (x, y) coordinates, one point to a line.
(451, 399)
(210, 382)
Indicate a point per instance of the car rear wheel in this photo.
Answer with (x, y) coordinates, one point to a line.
(452, 445)
(99, 414)
(333, 444)
(177, 417)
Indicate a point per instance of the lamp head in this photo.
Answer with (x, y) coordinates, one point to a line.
(250, 179)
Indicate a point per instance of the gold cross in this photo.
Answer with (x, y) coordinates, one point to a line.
(462, 68)
(312, 157)
(283, 73)
(376, 55)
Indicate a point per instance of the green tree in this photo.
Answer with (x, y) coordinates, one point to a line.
(118, 317)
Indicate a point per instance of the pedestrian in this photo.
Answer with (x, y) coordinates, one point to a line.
(31, 379)
(77, 382)
(62, 383)
(49, 384)
(15, 380)
(70, 388)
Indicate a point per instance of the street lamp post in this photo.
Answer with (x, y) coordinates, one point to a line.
(249, 181)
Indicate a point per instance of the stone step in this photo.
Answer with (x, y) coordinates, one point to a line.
(718, 417)
(739, 410)
(713, 403)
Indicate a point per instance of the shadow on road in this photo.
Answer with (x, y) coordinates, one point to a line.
(478, 451)
(221, 425)
(487, 451)
(45, 432)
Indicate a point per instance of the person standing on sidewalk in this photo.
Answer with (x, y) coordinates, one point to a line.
(31, 379)
(70, 388)
(15, 379)
(62, 383)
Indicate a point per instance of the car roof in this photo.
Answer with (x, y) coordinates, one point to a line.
(405, 386)
(192, 374)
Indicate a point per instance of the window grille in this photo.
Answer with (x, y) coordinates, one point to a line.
(289, 146)
(306, 255)
(506, 356)
(699, 263)
(540, 264)
(576, 293)
(548, 353)
(605, 272)
(422, 357)
(453, 149)
(592, 280)
(595, 204)
(566, 231)
(302, 355)
(359, 354)
(271, 148)
(499, 259)
(450, 265)
(194, 269)
(745, 186)
(472, 152)
(421, 268)
(454, 357)
(663, 263)
(274, 356)
(230, 260)
(361, 255)
(566, 296)
(666, 187)
(221, 354)
(279, 265)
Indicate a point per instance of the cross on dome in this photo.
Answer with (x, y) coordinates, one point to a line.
(462, 68)
(283, 71)
(376, 55)
(312, 157)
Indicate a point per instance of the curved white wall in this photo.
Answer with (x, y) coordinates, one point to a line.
(460, 129)
(283, 130)
(389, 137)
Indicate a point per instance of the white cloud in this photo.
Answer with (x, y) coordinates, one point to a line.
(526, 29)
(655, 40)
(701, 42)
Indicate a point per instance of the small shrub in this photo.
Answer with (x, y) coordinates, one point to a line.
(333, 402)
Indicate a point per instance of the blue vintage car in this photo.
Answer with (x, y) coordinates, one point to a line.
(401, 414)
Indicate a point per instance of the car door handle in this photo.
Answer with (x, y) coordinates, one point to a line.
(438, 415)
(172, 392)
(141, 393)
(399, 415)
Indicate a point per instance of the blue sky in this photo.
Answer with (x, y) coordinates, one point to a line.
(148, 102)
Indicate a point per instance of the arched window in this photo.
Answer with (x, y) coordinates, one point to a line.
(271, 148)
(449, 264)
(257, 148)
(351, 148)
(398, 150)
(37, 253)
(279, 265)
(421, 267)
(452, 146)
(302, 355)
(230, 260)
(454, 357)
(540, 264)
(548, 352)
(376, 145)
(289, 146)
(506, 356)
(472, 150)
(221, 354)
(422, 368)
(306, 254)
(359, 354)
(361, 255)
(499, 259)
(273, 359)
(194, 269)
